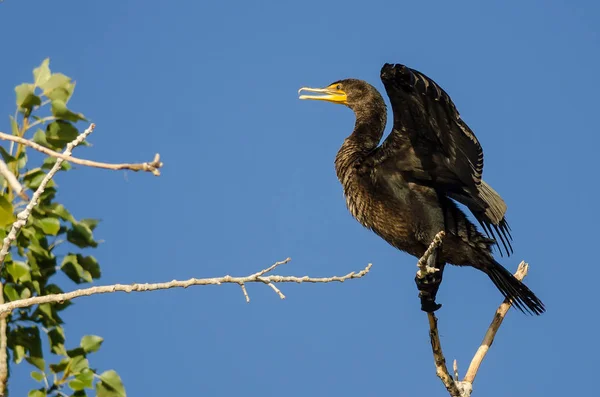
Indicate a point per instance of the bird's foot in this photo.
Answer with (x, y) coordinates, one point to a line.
(428, 285)
(428, 303)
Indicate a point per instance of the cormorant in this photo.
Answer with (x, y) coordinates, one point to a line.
(403, 190)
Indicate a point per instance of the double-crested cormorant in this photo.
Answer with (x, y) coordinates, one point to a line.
(404, 189)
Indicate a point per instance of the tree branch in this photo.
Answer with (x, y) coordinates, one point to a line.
(24, 215)
(152, 166)
(12, 180)
(241, 281)
(488, 339)
(455, 387)
(11, 237)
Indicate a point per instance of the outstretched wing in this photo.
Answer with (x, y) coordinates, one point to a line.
(433, 145)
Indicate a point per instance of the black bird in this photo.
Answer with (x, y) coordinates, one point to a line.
(404, 189)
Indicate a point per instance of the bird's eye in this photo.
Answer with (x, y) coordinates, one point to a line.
(338, 87)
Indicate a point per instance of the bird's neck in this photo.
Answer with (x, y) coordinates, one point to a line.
(368, 130)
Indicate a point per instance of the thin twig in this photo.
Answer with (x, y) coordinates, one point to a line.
(245, 292)
(12, 180)
(24, 215)
(488, 339)
(455, 368)
(152, 166)
(253, 278)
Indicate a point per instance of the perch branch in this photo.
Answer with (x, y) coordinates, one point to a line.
(434, 337)
(153, 166)
(455, 387)
(488, 339)
(241, 281)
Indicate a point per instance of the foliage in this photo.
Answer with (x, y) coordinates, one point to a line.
(47, 246)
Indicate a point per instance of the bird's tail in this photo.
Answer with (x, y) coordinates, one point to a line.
(522, 297)
(496, 206)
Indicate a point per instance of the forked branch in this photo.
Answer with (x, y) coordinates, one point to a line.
(455, 387)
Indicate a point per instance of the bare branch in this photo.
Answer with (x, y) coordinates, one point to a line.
(455, 387)
(12, 180)
(24, 215)
(245, 292)
(438, 356)
(152, 166)
(488, 339)
(253, 278)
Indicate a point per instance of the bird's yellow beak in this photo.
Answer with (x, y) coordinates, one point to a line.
(330, 94)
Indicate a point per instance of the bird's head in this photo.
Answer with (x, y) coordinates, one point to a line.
(350, 92)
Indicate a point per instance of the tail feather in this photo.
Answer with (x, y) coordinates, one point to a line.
(522, 297)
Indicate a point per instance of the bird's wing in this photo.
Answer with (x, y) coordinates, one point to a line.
(425, 113)
(433, 145)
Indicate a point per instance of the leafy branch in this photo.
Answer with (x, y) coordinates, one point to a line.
(33, 233)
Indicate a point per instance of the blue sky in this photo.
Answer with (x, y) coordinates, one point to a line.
(249, 180)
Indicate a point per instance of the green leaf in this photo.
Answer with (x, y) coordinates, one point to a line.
(90, 264)
(50, 226)
(90, 222)
(38, 376)
(62, 93)
(86, 376)
(11, 293)
(26, 293)
(71, 267)
(57, 339)
(60, 110)
(76, 385)
(6, 212)
(14, 127)
(41, 74)
(40, 138)
(37, 362)
(77, 352)
(78, 364)
(32, 179)
(22, 160)
(7, 157)
(81, 235)
(26, 99)
(56, 80)
(36, 393)
(46, 313)
(19, 271)
(50, 161)
(60, 367)
(110, 385)
(91, 343)
(60, 132)
(18, 353)
(61, 212)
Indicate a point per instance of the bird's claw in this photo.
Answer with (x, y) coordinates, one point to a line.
(428, 286)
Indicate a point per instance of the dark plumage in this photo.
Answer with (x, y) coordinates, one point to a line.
(404, 189)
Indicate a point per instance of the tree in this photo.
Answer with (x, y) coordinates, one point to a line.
(41, 239)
